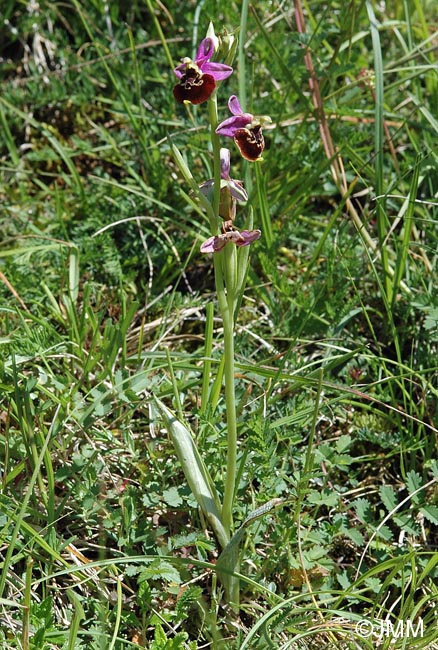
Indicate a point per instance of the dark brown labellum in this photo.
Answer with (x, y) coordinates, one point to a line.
(194, 87)
(250, 142)
(228, 226)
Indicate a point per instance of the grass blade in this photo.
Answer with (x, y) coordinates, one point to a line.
(382, 222)
(408, 224)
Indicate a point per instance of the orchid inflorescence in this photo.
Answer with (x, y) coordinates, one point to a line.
(220, 196)
(197, 81)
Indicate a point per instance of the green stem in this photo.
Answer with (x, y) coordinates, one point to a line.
(223, 261)
(226, 276)
(225, 272)
(229, 260)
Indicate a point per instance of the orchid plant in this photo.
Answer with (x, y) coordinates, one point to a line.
(221, 197)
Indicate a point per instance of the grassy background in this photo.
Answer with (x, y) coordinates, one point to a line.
(103, 296)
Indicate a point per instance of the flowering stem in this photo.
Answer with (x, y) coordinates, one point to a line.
(225, 277)
(229, 260)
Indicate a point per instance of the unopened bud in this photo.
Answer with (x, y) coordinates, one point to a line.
(212, 35)
(226, 50)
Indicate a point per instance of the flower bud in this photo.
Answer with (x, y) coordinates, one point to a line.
(227, 46)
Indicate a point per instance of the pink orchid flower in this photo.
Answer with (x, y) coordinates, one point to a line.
(197, 79)
(217, 243)
(245, 129)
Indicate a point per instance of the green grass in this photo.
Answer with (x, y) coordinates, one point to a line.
(107, 305)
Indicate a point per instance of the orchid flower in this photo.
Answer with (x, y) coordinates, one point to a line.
(246, 129)
(197, 79)
(232, 191)
(217, 243)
